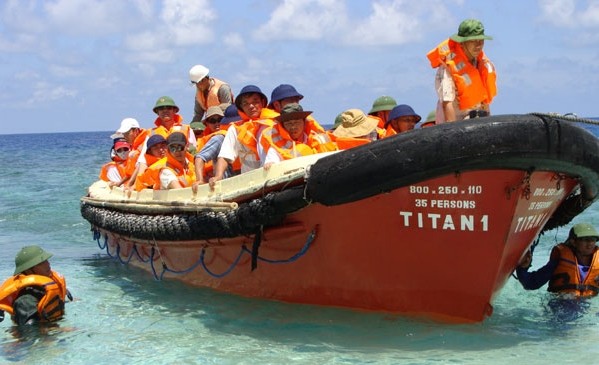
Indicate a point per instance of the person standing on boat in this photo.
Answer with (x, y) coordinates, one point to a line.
(466, 79)
(241, 141)
(167, 122)
(401, 119)
(35, 293)
(210, 91)
(292, 136)
(210, 150)
(573, 266)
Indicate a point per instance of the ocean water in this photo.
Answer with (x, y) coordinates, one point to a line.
(121, 315)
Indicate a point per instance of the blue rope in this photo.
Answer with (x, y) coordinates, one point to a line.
(293, 258)
(201, 260)
(226, 272)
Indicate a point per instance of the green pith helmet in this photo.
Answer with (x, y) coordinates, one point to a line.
(583, 230)
(28, 257)
(382, 103)
(165, 101)
(197, 126)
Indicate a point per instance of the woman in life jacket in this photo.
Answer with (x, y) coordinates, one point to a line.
(573, 267)
(35, 293)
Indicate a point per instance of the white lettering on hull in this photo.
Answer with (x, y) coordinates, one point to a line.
(446, 222)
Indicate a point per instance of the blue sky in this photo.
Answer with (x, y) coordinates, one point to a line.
(83, 65)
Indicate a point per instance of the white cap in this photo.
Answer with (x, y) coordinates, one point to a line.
(198, 72)
(127, 124)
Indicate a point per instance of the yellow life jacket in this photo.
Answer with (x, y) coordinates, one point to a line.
(566, 277)
(50, 307)
(474, 85)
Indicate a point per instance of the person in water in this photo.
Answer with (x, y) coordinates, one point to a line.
(35, 293)
(573, 266)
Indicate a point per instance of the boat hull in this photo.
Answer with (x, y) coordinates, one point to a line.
(477, 223)
(429, 223)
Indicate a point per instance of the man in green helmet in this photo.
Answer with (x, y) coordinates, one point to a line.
(35, 293)
(573, 267)
(167, 122)
(381, 107)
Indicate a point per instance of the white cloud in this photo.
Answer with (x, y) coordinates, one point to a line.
(233, 40)
(569, 13)
(389, 24)
(188, 22)
(46, 92)
(304, 20)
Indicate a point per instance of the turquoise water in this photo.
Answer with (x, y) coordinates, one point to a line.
(121, 315)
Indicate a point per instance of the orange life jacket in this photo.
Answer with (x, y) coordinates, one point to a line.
(119, 164)
(135, 152)
(141, 182)
(344, 143)
(51, 305)
(178, 126)
(566, 277)
(278, 138)
(474, 85)
(248, 134)
(211, 99)
(185, 175)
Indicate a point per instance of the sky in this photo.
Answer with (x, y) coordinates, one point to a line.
(84, 65)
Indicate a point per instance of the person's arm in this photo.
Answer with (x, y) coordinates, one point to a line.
(198, 112)
(225, 96)
(209, 152)
(536, 279)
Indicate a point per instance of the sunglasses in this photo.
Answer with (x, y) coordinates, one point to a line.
(176, 148)
(213, 120)
(121, 150)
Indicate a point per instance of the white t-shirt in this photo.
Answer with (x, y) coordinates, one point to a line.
(167, 176)
(231, 149)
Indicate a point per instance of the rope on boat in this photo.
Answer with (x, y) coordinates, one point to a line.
(571, 117)
(201, 260)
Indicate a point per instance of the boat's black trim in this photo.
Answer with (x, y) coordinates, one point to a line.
(526, 142)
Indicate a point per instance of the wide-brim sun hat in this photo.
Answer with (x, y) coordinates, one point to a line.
(284, 91)
(355, 124)
(292, 111)
(250, 89)
(469, 30)
(583, 230)
(402, 110)
(154, 140)
(28, 257)
(231, 115)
